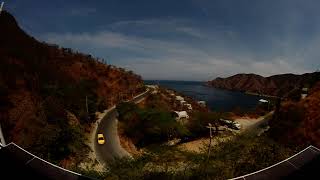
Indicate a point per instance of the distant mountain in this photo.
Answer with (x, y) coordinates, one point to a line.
(277, 85)
(49, 94)
(297, 121)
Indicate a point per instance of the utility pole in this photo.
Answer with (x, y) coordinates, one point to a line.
(120, 96)
(210, 130)
(87, 105)
(1, 7)
(87, 108)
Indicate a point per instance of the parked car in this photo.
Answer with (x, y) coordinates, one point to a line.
(236, 126)
(231, 124)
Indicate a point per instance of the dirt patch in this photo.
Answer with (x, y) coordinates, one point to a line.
(128, 145)
(200, 145)
(247, 122)
(90, 163)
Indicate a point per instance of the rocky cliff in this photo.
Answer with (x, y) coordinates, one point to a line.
(49, 94)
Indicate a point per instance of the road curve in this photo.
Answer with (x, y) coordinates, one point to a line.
(108, 126)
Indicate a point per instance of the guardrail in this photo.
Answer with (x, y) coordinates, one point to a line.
(39, 167)
(285, 167)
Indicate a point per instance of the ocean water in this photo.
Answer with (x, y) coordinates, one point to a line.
(216, 99)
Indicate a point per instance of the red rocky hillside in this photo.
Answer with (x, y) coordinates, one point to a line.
(42, 86)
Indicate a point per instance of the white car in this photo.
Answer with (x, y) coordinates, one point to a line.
(237, 126)
(231, 124)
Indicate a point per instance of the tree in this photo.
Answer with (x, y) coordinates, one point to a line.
(197, 125)
(148, 125)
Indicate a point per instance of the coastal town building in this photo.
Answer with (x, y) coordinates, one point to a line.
(304, 93)
(179, 98)
(263, 101)
(202, 103)
(189, 106)
(181, 114)
(183, 102)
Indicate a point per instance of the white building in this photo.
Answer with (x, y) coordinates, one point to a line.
(303, 96)
(181, 115)
(189, 106)
(263, 101)
(155, 91)
(153, 86)
(183, 102)
(202, 103)
(304, 93)
(179, 98)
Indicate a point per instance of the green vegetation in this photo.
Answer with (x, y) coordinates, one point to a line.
(60, 136)
(287, 119)
(157, 102)
(148, 125)
(156, 122)
(5, 104)
(199, 121)
(90, 173)
(313, 79)
(260, 109)
(73, 97)
(242, 154)
(59, 140)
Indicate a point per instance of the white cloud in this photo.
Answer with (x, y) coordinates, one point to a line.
(275, 67)
(108, 39)
(192, 31)
(165, 22)
(105, 39)
(206, 69)
(212, 55)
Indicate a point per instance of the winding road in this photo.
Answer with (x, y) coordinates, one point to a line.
(108, 126)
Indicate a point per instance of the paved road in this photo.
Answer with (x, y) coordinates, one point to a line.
(108, 126)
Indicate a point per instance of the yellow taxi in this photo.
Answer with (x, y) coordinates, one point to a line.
(101, 139)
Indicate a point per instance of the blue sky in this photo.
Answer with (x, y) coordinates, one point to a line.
(182, 39)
